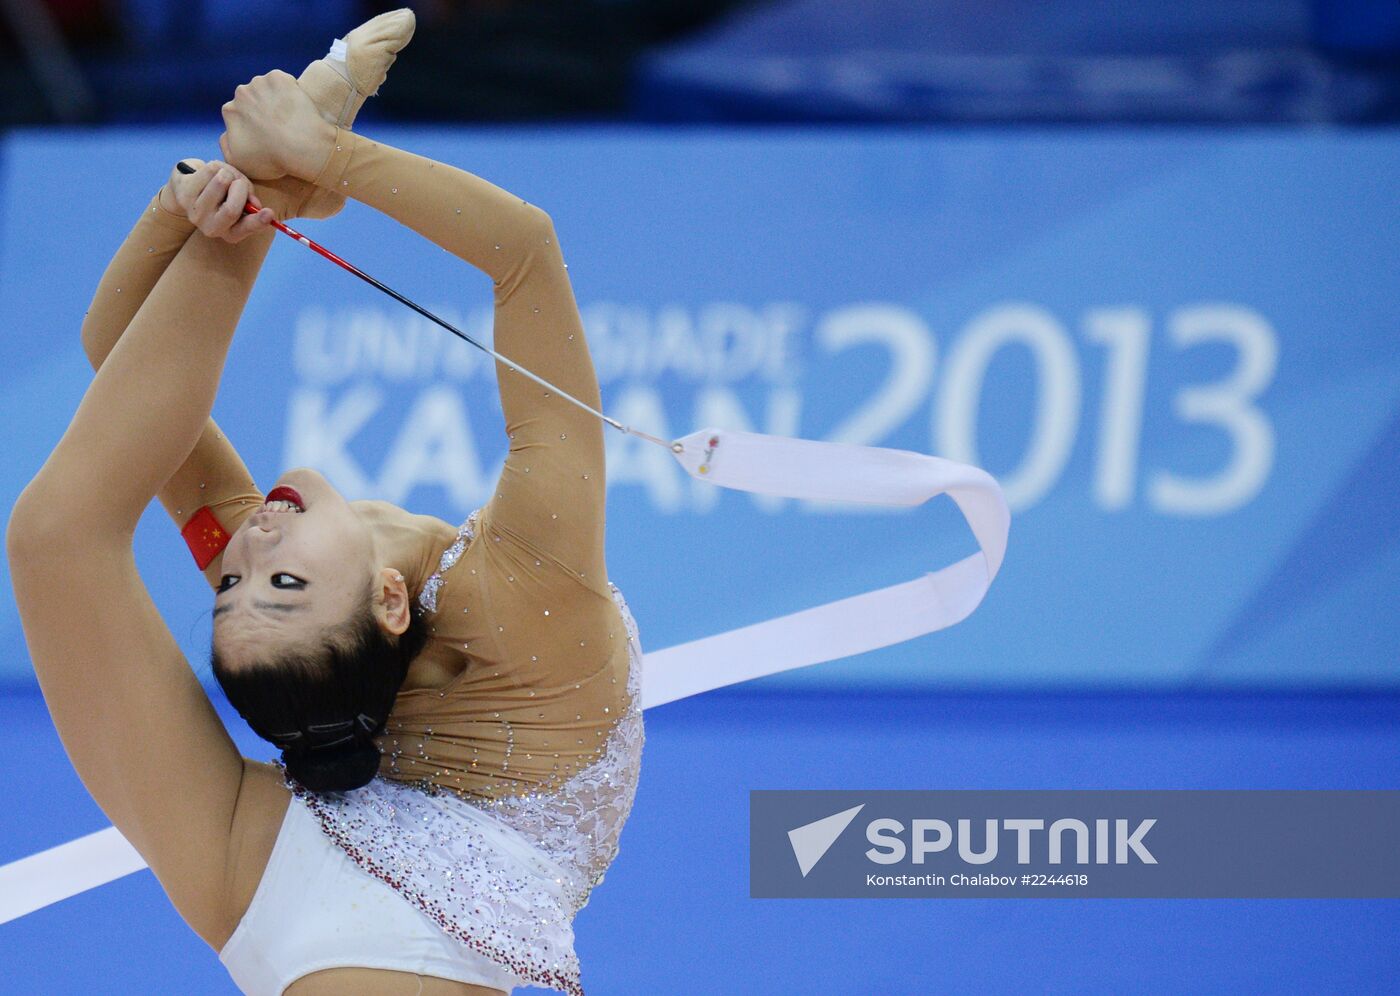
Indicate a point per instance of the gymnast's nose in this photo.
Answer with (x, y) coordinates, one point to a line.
(264, 529)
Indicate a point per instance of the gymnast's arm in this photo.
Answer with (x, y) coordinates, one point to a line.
(550, 498)
(213, 474)
(132, 716)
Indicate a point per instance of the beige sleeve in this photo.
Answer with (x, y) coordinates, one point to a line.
(549, 501)
(214, 474)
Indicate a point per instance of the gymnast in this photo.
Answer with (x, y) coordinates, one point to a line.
(457, 707)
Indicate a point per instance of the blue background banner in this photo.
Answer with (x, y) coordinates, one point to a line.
(1175, 349)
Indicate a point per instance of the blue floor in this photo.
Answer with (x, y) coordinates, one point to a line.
(674, 914)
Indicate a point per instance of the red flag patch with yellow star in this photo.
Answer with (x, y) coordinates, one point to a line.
(205, 537)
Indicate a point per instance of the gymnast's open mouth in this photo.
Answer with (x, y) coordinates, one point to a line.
(284, 499)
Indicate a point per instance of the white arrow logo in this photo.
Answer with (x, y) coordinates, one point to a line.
(811, 841)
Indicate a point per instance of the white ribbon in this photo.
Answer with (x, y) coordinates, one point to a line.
(41, 879)
(745, 461)
(804, 468)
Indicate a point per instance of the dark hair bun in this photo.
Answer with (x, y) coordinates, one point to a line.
(338, 769)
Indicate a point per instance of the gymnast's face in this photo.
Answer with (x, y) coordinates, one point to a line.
(291, 575)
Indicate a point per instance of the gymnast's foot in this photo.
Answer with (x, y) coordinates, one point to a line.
(338, 85)
(355, 68)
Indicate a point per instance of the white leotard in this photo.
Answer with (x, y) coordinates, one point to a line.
(397, 877)
(316, 909)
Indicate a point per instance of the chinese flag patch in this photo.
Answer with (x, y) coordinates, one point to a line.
(205, 537)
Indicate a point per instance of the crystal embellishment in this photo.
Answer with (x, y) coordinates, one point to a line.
(427, 598)
(502, 876)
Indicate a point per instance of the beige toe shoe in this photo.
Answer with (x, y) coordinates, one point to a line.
(338, 87)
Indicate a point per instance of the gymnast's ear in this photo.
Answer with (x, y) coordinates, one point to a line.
(391, 602)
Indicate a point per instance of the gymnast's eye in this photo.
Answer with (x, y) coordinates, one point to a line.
(226, 582)
(284, 580)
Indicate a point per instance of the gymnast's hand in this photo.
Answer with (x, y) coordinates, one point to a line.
(275, 130)
(213, 197)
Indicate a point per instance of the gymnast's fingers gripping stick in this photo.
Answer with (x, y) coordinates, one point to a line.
(745, 461)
